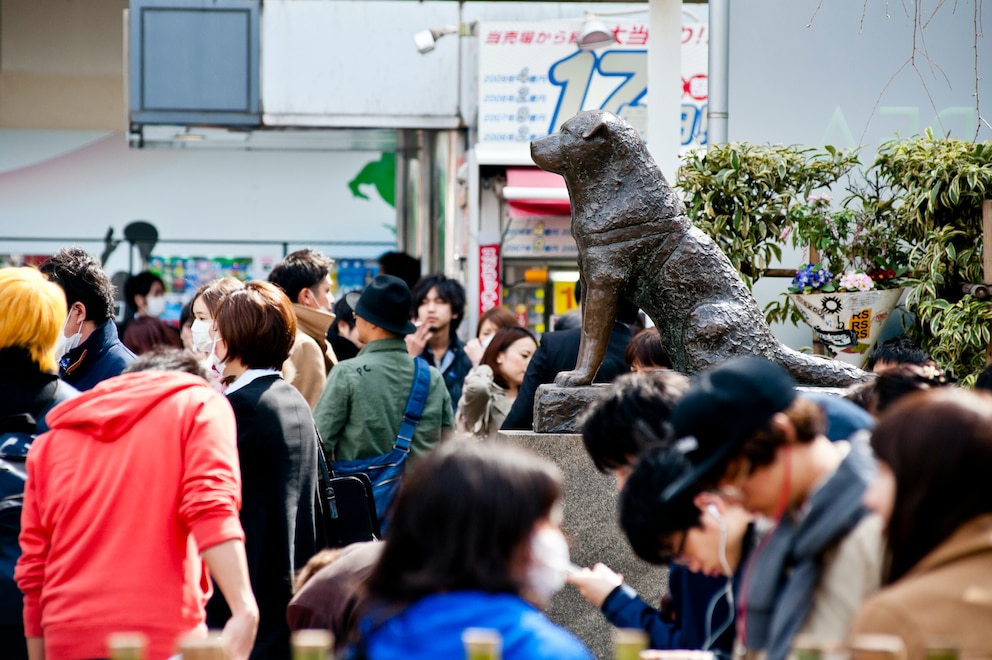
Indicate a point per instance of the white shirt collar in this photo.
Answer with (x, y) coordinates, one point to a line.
(249, 376)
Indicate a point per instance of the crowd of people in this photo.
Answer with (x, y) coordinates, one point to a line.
(173, 479)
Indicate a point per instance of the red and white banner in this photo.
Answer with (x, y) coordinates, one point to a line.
(489, 277)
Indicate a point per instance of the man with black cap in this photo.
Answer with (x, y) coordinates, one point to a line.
(360, 412)
(746, 432)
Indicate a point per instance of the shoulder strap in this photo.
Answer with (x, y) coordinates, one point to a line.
(415, 404)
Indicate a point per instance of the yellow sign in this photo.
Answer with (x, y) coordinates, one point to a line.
(564, 297)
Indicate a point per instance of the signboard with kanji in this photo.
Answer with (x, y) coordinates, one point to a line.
(533, 76)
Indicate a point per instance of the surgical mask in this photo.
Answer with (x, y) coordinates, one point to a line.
(65, 344)
(202, 341)
(549, 564)
(155, 306)
(214, 362)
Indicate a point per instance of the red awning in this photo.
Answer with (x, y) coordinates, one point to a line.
(532, 191)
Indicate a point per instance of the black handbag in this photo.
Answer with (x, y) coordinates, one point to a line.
(347, 506)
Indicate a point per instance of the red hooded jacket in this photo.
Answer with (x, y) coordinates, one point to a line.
(135, 477)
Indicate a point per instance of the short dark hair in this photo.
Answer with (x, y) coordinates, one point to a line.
(984, 379)
(402, 265)
(938, 444)
(343, 313)
(461, 517)
(257, 324)
(162, 358)
(646, 517)
(646, 347)
(898, 350)
(894, 383)
(300, 270)
(500, 342)
(83, 280)
(632, 415)
(447, 290)
(139, 285)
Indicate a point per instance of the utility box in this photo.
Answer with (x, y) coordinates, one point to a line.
(194, 62)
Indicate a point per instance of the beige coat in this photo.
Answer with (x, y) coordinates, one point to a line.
(946, 597)
(311, 357)
(483, 405)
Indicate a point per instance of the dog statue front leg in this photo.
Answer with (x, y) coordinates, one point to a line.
(599, 311)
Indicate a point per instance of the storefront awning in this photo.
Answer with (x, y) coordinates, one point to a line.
(531, 191)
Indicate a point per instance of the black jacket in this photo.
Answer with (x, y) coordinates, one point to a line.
(559, 352)
(277, 447)
(100, 357)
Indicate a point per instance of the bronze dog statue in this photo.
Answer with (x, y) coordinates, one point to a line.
(635, 240)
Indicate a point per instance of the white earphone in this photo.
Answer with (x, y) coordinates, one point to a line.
(715, 512)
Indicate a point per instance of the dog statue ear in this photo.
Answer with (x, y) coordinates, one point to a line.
(595, 128)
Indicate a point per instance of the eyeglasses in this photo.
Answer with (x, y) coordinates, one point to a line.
(674, 555)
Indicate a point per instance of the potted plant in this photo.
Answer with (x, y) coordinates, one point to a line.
(848, 293)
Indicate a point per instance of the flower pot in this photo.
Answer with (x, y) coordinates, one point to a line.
(847, 323)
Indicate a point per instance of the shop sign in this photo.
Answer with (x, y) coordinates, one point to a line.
(532, 77)
(489, 277)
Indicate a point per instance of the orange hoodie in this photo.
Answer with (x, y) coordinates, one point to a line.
(133, 478)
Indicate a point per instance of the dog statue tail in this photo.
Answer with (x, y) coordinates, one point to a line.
(807, 369)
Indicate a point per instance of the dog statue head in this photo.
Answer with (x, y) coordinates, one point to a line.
(591, 141)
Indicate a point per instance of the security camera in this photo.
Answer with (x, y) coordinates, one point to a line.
(425, 40)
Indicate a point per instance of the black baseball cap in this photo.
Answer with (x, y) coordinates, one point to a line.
(722, 408)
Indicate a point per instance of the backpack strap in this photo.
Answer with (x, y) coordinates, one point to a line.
(414, 404)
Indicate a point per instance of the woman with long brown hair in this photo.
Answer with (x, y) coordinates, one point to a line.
(491, 388)
(934, 453)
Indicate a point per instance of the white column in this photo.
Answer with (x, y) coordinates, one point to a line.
(665, 84)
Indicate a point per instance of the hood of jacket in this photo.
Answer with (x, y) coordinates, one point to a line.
(109, 410)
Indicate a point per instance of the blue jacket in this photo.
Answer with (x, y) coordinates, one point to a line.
(100, 357)
(431, 629)
(684, 627)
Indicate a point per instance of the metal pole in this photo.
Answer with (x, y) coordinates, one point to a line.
(717, 109)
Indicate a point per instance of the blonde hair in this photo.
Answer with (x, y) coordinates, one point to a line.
(32, 313)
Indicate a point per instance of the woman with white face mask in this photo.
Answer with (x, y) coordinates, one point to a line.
(145, 296)
(474, 543)
(204, 305)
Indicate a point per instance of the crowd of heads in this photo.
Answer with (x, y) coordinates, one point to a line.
(738, 442)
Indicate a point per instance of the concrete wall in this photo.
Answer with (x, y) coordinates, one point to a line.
(594, 535)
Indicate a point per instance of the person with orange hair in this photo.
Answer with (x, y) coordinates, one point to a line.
(31, 313)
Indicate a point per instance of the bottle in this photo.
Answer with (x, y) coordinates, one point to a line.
(482, 644)
(943, 651)
(806, 647)
(628, 643)
(312, 644)
(877, 647)
(194, 647)
(127, 646)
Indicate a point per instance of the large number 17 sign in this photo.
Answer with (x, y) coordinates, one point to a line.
(615, 80)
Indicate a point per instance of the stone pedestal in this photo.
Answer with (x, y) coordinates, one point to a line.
(594, 535)
(556, 409)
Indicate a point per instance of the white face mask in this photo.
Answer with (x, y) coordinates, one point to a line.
(65, 344)
(155, 306)
(200, 330)
(214, 362)
(549, 564)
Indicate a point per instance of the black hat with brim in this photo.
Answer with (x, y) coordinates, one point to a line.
(386, 303)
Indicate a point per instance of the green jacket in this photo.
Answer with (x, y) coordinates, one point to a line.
(360, 411)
